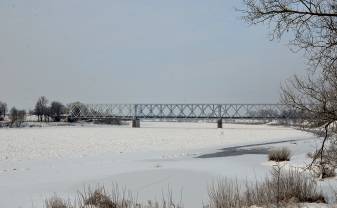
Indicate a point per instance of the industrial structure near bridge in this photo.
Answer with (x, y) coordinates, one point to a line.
(135, 112)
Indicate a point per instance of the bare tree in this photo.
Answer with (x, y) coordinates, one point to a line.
(17, 116)
(76, 110)
(313, 24)
(56, 110)
(316, 97)
(313, 28)
(13, 115)
(41, 108)
(3, 110)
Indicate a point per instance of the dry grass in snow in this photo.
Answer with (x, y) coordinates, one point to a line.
(282, 188)
(279, 154)
(117, 198)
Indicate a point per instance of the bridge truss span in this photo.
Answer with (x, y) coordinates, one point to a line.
(179, 111)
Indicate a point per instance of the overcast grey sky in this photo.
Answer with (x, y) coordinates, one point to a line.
(119, 51)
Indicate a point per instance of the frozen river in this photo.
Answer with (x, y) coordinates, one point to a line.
(35, 163)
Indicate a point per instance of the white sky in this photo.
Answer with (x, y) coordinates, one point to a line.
(118, 51)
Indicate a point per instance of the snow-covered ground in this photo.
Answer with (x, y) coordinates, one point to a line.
(35, 163)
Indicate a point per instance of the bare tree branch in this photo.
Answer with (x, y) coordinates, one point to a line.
(312, 23)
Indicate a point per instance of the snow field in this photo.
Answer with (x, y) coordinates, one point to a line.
(75, 142)
(36, 163)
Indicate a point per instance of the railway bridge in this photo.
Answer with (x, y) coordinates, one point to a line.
(135, 112)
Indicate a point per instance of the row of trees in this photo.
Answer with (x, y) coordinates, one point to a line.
(42, 110)
(46, 112)
(16, 116)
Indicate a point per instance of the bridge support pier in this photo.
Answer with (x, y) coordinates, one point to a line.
(135, 123)
(219, 123)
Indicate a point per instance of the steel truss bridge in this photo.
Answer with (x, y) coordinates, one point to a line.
(179, 111)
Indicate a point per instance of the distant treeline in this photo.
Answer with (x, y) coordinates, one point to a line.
(43, 110)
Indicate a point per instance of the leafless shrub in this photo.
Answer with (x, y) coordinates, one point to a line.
(57, 202)
(99, 199)
(278, 189)
(279, 154)
(117, 198)
(294, 184)
(109, 121)
(225, 193)
(281, 188)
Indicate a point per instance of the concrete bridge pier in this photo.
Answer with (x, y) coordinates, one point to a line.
(135, 123)
(219, 123)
